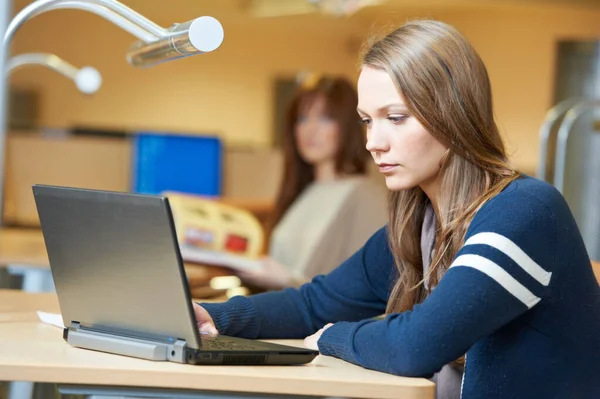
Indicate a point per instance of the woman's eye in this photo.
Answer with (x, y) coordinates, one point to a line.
(365, 121)
(397, 119)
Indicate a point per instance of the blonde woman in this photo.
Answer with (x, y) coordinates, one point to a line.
(476, 259)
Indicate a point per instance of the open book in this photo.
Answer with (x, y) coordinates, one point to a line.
(213, 233)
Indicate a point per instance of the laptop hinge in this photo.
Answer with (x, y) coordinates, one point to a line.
(127, 346)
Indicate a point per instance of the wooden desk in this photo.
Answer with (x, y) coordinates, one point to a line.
(15, 305)
(17, 301)
(32, 351)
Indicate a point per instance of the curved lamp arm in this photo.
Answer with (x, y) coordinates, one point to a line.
(118, 19)
(87, 79)
(201, 35)
(41, 6)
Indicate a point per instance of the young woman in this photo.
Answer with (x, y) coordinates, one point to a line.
(476, 259)
(327, 207)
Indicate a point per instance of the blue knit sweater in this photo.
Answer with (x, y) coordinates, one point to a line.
(520, 299)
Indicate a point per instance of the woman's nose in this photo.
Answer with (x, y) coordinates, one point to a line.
(376, 139)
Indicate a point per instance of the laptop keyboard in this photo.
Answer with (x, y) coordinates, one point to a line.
(218, 343)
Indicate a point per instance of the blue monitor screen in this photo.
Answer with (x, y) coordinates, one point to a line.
(173, 162)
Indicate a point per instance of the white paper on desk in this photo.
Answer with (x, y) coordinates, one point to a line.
(54, 319)
(215, 258)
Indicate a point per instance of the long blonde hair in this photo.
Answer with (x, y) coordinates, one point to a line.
(445, 85)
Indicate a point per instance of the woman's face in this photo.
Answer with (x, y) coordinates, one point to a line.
(317, 135)
(407, 155)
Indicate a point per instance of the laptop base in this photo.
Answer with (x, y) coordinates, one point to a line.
(141, 348)
(102, 340)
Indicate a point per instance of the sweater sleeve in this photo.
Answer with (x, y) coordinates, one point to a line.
(502, 271)
(356, 290)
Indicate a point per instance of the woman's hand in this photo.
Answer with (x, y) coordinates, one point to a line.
(205, 322)
(271, 275)
(312, 341)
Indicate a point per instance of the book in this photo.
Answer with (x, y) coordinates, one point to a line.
(213, 233)
(193, 254)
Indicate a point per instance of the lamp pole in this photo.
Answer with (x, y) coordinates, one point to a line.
(87, 79)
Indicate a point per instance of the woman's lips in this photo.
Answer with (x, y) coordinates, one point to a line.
(386, 167)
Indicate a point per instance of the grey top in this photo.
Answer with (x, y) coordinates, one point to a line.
(326, 224)
(449, 379)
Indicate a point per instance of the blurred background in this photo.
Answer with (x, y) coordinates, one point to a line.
(232, 100)
(232, 92)
(212, 125)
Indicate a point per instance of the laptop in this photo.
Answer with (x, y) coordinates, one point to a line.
(121, 283)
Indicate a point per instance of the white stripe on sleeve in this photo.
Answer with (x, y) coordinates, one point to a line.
(514, 252)
(498, 274)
